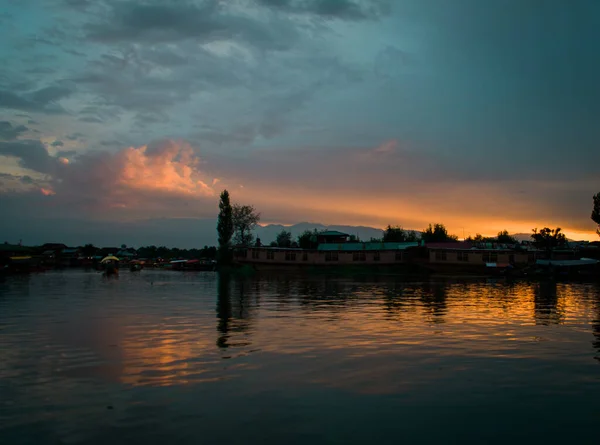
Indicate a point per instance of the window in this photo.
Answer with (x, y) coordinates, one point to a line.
(270, 255)
(511, 259)
(290, 256)
(486, 257)
(331, 256)
(242, 253)
(376, 256)
(531, 258)
(305, 256)
(255, 254)
(440, 255)
(462, 256)
(398, 256)
(493, 258)
(359, 256)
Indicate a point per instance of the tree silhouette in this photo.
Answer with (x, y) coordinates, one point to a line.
(284, 238)
(596, 212)
(437, 234)
(225, 226)
(245, 219)
(548, 239)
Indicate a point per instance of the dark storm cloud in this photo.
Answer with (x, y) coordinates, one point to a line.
(9, 132)
(32, 154)
(158, 21)
(340, 9)
(44, 100)
(126, 80)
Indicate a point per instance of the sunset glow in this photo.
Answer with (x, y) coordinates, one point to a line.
(361, 115)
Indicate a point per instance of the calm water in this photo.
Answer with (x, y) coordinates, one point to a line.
(170, 358)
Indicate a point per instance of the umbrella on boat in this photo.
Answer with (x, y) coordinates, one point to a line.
(109, 258)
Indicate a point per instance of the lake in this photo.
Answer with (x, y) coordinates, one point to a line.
(191, 358)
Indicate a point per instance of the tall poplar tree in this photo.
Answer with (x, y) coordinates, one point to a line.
(225, 226)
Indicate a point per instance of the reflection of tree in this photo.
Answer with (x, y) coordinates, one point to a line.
(596, 324)
(223, 309)
(234, 310)
(545, 302)
(433, 299)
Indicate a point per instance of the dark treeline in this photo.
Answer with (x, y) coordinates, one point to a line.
(166, 253)
(153, 252)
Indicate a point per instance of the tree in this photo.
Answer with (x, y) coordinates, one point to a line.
(245, 219)
(596, 212)
(397, 234)
(88, 250)
(548, 238)
(437, 234)
(505, 238)
(225, 225)
(308, 239)
(284, 239)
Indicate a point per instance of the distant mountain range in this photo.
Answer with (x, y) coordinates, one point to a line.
(269, 233)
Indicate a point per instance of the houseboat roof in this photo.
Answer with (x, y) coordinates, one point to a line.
(365, 246)
(461, 245)
(332, 233)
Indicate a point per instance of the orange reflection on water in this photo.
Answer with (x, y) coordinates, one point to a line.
(166, 356)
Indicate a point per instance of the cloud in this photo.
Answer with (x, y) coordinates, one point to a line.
(165, 176)
(158, 21)
(333, 9)
(90, 119)
(32, 155)
(57, 143)
(44, 100)
(9, 132)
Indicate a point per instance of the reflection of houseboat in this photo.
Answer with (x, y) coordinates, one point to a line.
(194, 265)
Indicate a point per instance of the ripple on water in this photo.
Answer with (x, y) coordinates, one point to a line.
(188, 357)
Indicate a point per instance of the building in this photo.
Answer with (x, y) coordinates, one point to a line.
(332, 237)
(327, 254)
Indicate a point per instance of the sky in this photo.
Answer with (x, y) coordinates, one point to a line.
(130, 116)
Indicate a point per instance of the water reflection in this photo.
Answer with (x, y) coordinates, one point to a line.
(274, 345)
(237, 303)
(223, 309)
(546, 306)
(433, 298)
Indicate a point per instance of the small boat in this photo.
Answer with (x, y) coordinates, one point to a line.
(110, 265)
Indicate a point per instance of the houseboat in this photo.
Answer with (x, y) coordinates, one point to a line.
(328, 249)
(326, 255)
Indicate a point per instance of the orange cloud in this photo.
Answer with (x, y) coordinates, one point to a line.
(47, 192)
(174, 168)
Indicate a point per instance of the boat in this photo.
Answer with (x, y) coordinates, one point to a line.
(569, 269)
(110, 265)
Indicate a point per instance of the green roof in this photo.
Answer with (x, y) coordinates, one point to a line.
(352, 247)
(332, 233)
